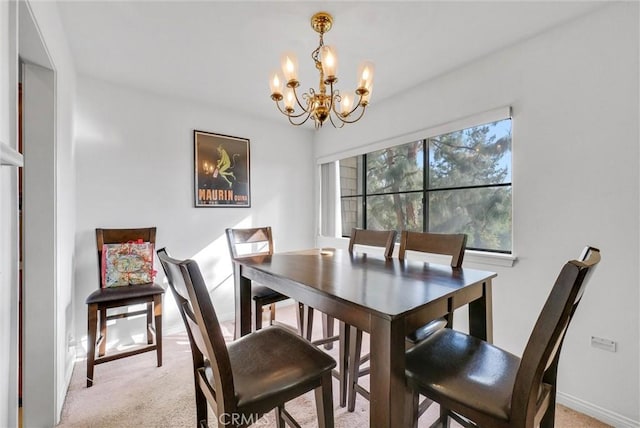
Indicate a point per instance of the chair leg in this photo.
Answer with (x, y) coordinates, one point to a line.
(415, 412)
(280, 422)
(424, 405)
(307, 322)
(149, 323)
(449, 315)
(324, 402)
(327, 329)
(201, 404)
(548, 419)
(92, 326)
(272, 313)
(444, 417)
(157, 307)
(355, 351)
(103, 332)
(304, 317)
(343, 364)
(300, 319)
(258, 317)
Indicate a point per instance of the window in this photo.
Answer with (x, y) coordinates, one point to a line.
(459, 182)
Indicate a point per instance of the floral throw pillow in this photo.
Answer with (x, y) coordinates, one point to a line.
(129, 263)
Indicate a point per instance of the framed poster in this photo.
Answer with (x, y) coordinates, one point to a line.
(221, 170)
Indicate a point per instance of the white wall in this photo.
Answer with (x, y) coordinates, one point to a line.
(135, 169)
(574, 92)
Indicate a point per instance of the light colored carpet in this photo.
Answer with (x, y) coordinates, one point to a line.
(133, 392)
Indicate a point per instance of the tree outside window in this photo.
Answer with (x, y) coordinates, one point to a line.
(458, 182)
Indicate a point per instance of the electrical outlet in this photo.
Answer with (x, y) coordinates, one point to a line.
(606, 344)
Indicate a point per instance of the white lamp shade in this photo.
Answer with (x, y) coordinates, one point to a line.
(346, 102)
(275, 83)
(290, 66)
(329, 61)
(289, 98)
(365, 74)
(365, 98)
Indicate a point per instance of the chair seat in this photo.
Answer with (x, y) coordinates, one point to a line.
(266, 295)
(292, 363)
(453, 366)
(105, 295)
(426, 330)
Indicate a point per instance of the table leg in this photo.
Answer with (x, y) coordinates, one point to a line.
(344, 364)
(307, 321)
(481, 315)
(390, 398)
(242, 292)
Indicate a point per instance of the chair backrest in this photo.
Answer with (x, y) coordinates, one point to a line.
(250, 242)
(203, 327)
(119, 236)
(171, 270)
(539, 365)
(373, 238)
(434, 243)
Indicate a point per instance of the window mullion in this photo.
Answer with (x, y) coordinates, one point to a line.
(425, 185)
(364, 191)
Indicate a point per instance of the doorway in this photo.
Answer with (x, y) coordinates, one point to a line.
(39, 359)
(39, 338)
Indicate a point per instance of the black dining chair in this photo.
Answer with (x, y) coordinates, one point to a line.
(244, 379)
(445, 244)
(361, 240)
(479, 384)
(106, 298)
(246, 242)
(452, 245)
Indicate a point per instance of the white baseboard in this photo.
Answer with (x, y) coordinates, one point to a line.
(599, 413)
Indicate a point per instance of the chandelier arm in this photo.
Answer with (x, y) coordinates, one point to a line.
(301, 123)
(344, 120)
(289, 114)
(358, 104)
(304, 109)
(332, 104)
(343, 117)
(334, 124)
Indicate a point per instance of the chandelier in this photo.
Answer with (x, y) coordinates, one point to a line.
(321, 104)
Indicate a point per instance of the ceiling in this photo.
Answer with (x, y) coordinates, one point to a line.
(222, 53)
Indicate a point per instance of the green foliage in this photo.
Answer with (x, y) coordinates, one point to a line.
(458, 163)
(393, 170)
(472, 157)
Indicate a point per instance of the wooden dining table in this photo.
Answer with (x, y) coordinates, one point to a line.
(388, 298)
